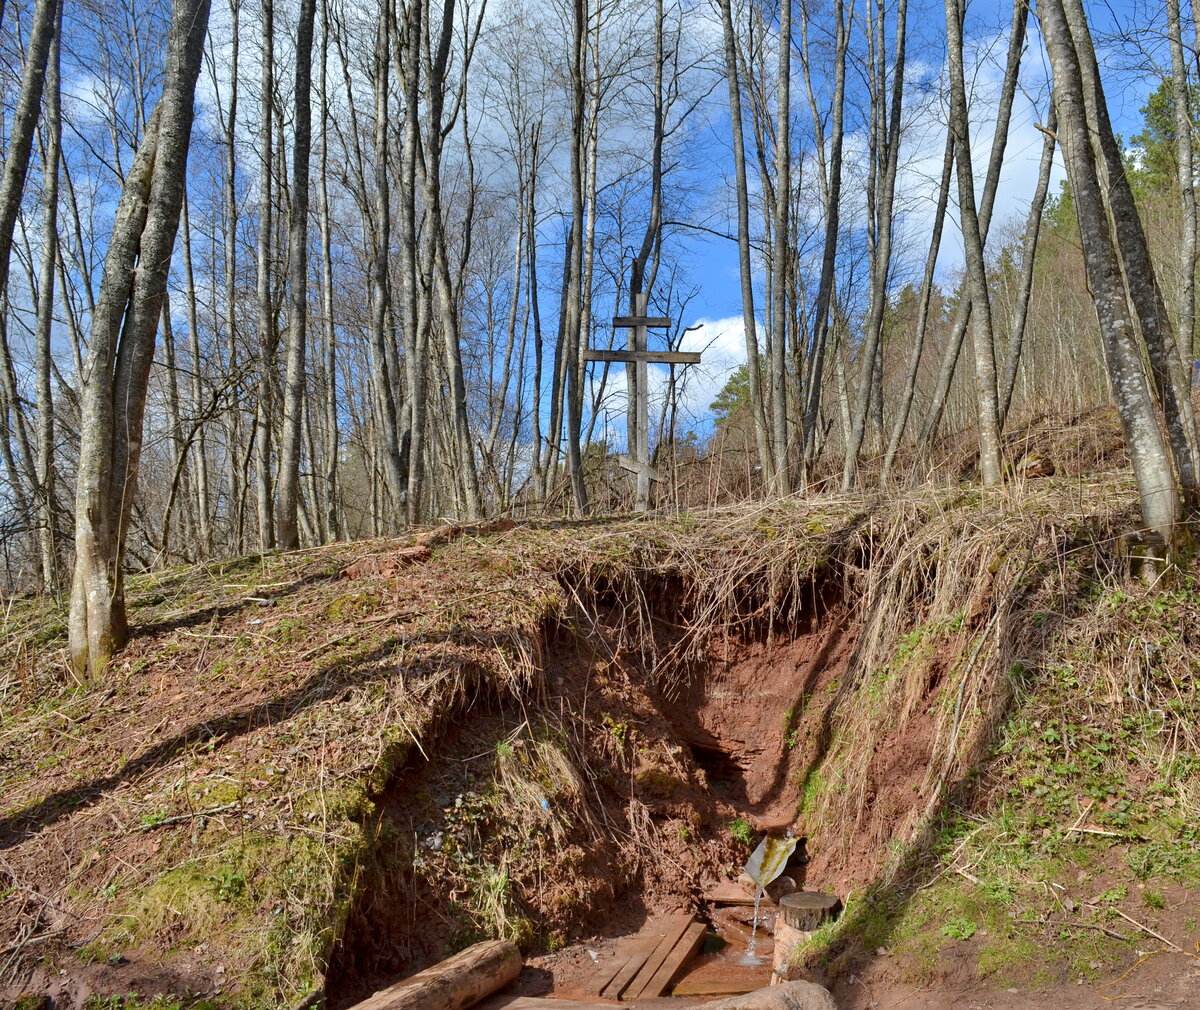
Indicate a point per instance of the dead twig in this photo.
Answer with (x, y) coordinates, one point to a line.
(178, 818)
(1085, 925)
(1146, 929)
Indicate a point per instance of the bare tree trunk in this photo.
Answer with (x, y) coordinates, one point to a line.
(1184, 148)
(329, 493)
(745, 270)
(833, 196)
(12, 189)
(881, 260)
(24, 125)
(1133, 256)
(1148, 452)
(781, 475)
(987, 200)
(981, 308)
(237, 474)
(47, 493)
(294, 384)
(268, 336)
(384, 382)
(914, 357)
(121, 350)
(435, 90)
(1016, 338)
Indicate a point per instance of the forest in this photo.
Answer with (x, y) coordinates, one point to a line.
(279, 274)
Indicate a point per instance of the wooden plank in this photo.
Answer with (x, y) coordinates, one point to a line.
(458, 982)
(714, 987)
(651, 357)
(729, 893)
(684, 951)
(653, 322)
(606, 969)
(635, 467)
(540, 1003)
(676, 927)
(641, 949)
(646, 943)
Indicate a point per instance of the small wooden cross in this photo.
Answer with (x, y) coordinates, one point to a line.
(638, 324)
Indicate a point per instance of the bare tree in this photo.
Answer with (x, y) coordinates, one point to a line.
(1077, 118)
(121, 349)
(294, 384)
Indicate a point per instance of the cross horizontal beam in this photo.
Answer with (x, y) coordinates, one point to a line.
(661, 357)
(633, 466)
(653, 322)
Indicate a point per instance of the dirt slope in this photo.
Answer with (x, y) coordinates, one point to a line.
(314, 771)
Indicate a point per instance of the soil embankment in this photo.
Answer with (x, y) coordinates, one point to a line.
(324, 769)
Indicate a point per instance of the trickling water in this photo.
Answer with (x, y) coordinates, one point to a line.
(752, 957)
(766, 863)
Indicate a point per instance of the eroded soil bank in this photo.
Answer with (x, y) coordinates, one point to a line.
(550, 731)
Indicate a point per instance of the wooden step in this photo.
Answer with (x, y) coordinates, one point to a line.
(715, 987)
(539, 1003)
(644, 966)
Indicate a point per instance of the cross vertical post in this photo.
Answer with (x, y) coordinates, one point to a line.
(639, 335)
(635, 358)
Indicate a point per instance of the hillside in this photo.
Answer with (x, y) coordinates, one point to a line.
(318, 770)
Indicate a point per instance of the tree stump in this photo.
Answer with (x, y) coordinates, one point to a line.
(808, 910)
(799, 914)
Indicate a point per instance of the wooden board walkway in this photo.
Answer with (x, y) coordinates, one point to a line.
(644, 966)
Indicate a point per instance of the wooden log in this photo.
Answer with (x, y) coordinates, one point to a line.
(541, 1003)
(799, 915)
(458, 982)
(787, 939)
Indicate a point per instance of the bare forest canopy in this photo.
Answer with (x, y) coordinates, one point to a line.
(281, 272)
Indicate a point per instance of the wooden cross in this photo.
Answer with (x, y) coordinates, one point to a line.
(638, 324)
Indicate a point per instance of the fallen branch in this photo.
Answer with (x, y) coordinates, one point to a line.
(178, 818)
(1108, 834)
(1086, 925)
(1147, 929)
